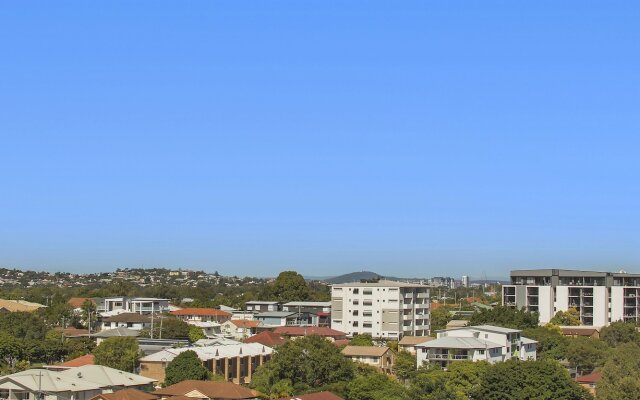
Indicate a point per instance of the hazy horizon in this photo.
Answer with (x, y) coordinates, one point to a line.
(412, 138)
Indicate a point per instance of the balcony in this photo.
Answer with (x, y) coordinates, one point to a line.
(432, 356)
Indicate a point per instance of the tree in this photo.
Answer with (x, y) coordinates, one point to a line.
(405, 365)
(620, 332)
(440, 317)
(551, 342)
(361, 340)
(289, 286)
(523, 380)
(506, 317)
(585, 354)
(195, 334)
(373, 385)
(88, 313)
(118, 352)
(621, 374)
(432, 384)
(571, 317)
(308, 362)
(186, 366)
(23, 325)
(169, 328)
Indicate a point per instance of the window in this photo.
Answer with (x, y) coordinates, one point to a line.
(481, 352)
(367, 313)
(356, 302)
(356, 291)
(367, 325)
(355, 312)
(355, 323)
(367, 291)
(367, 303)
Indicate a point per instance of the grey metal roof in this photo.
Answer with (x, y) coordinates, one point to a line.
(275, 314)
(451, 342)
(381, 283)
(121, 331)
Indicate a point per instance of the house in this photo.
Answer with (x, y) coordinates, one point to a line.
(116, 332)
(239, 329)
(140, 305)
(126, 394)
(382, 358)
(110, 379)
(202, 315)
(129, 320)
(87, 359)
(262, 306)
(590, 381)
(299, 331)
(314, 396)
(77, 302)
(206, 390)
(408, 343)
(209, 329)
(267, 338)
(575, 331)
(287, 318)
(234, 362)
(307, 306)
(18, 306)
(476, 343)
(383, 309)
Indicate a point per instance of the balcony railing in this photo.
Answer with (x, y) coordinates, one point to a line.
(432, 356)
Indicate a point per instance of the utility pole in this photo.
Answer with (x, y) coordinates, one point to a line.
(151, 332)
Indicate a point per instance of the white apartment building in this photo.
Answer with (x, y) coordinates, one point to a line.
(599, 297)
(140, 305)
(382, 309)
(476, 343)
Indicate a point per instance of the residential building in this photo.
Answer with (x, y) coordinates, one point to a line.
(18, 305)
(457, 323)
(87, 359)
(202, 315)
(409, 343)
(465, 281)
(307, 306)
(141, 305)
(575, 331)
(599, 297)
(115, 332)
(262, 306)
(286, 318)
(382, 358)
(110, 379)
(206, 390)
(383, 309)
(590, 381)
(314, 396)
(267, 338)
(239, 329)
(300, 331)
(134, 321)
(234, 362)
(476, 343)
(126, 394)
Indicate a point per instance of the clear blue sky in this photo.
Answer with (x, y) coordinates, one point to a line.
(407, 138)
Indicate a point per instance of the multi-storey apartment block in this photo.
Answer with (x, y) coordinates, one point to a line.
(382, 309)
(599, 297)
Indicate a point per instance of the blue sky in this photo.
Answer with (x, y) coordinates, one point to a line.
(407, 138)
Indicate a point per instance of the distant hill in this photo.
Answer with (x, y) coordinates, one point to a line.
(353, 277)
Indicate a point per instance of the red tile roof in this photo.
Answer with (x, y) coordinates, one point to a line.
(87, 359)
(245, 323)
(76, 302)
(314, 396)
(210, 312)
(266, 338)
(125, 394)
(309, 330)
(593, 377)
(211, 389)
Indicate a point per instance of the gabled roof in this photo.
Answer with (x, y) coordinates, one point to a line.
(593, 377)
(47, 381)
(208, 312)
(126, 394)
(211, 352)
(245, 323)
(308, 330)
(365, 351)
(413, 340)
(267, 338)
(578, 331)
(528, 341)
(77, 302)
(121, 331)
(106, 376)
(87, 359)
(452, 342)
(314, 396)
(19, 305)
(211, 389)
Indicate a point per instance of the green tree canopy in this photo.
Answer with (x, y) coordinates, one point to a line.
(369, 384)
(118, 352)
(195, 334)
(620, 332)
(621, 374)
(361, 340)
(308, 362)
(585, 353)
(506, 317)
(405, 365)
(186, 366)
(23, 325)
(288, 286)
(571, 317)
(551, 342)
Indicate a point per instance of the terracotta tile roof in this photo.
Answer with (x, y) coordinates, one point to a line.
(209, 312)
(593, 377)
(211, 389)
(309, 330)
(76, 302)
(245, 323)
(341, 342)
(579, 331)
(413, 340)
(314, 396)
(87, 359)
(126, 394)
(366, 351)
(266, 338)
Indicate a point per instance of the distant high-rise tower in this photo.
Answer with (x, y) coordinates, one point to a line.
(465, 281)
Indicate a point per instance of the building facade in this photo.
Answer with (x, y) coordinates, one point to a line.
(599, 297)
(382, 309)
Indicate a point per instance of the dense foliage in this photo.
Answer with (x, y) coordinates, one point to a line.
(118, 352)
(186, 366)
(506, 317)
